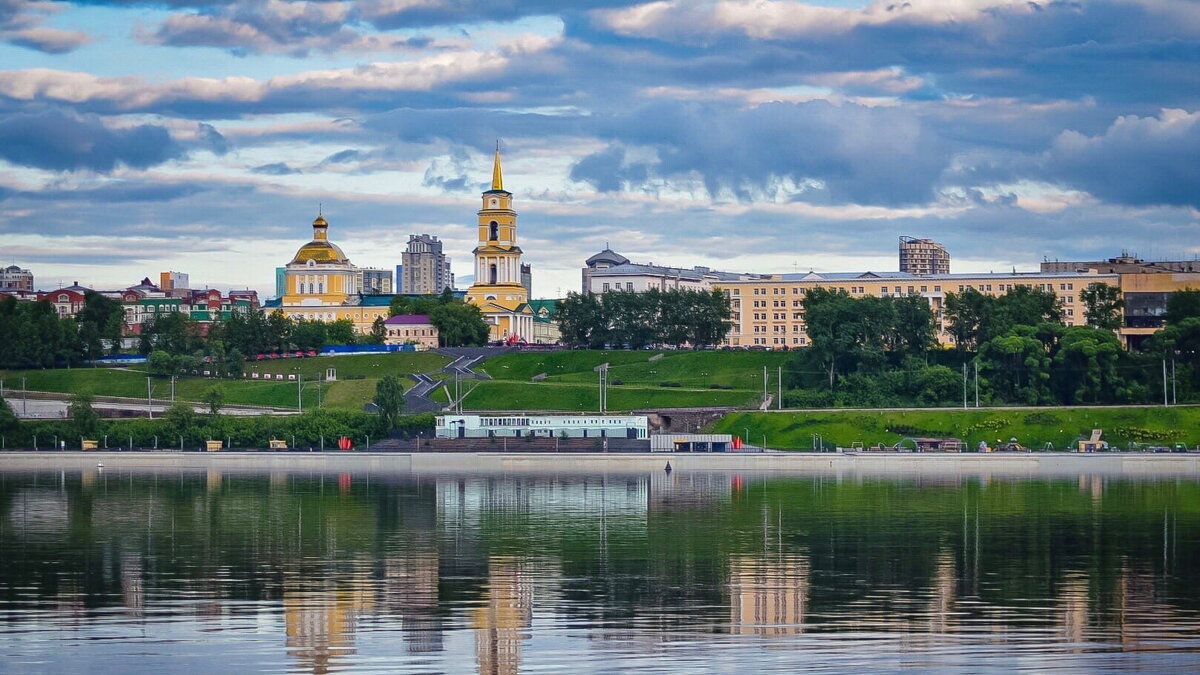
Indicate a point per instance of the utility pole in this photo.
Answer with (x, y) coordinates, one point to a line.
(765, 385)
(172, 389)
(149, 401)
(24, 399)
(1174, 396)
(779, 384)
(299, 393)
(1165, 382)
(976, 384)
(964, 385)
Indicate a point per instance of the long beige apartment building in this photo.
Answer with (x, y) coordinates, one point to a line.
(768, 310)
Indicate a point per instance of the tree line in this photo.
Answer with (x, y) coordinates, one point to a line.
(870, 351)
(635, 320)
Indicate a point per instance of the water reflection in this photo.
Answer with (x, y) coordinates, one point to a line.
(355, 572)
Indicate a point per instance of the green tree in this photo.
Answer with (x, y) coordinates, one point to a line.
(583, 321)
(214, 396)
(1102, 305)
(1086, 363)
(83, 416)
(459, 324)
(1182, 305)
(378, 331)
(181, 418)
(341, 332)
(102, 319)
(1016, 366)
(162, 364)
(389, 398)
(9, 422)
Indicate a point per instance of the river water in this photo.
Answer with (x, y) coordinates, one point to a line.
(207, 572)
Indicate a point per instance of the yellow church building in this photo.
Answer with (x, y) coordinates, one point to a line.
(497, 290)
(322, 284)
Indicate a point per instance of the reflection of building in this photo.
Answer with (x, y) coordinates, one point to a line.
(767, 595)
(923, 256)
(945, 592)
(498, 291)
(1073, 602)
(501, 623)
(320, 625)
(410, 589)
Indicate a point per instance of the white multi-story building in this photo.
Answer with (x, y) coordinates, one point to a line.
(611, 271)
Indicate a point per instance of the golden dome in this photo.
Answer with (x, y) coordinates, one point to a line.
(321, 252)
(320, 222)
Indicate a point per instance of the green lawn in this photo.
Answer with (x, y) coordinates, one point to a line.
(372, 366)
(499, 395)
(697, 369)
(345, 393)
(1033, 428)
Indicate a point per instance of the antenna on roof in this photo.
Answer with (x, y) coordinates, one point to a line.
(320, 210)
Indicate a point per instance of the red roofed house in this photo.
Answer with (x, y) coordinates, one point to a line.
(415, 329)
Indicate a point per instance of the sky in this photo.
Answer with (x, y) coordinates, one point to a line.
(202, 136)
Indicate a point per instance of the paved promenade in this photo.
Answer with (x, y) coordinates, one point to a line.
(1186, 465)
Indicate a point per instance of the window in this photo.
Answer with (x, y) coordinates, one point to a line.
(493, 231)
(924, 289)
(629, 285)
(884, 290)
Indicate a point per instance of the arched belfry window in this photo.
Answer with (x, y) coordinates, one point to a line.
(493, 274)
(493, 231)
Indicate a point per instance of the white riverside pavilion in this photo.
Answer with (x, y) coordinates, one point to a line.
(546, 426)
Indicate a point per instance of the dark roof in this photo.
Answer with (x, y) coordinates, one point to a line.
(607, 255)
(407, 320)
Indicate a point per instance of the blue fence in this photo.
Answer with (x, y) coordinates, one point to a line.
(120, 360)
(336, 350)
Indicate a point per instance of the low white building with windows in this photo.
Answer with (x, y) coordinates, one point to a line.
(546, 426)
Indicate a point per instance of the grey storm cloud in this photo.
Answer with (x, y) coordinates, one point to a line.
(1137, 160)
(849, 153)
(63, 141)
(275, 169)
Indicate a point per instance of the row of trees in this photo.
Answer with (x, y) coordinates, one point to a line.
(635, 320)
(182, 421)
(34, 336)
(882, 351)
(459, 324)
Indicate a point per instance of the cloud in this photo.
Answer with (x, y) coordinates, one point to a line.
(275, 26)
(20, 24)
(1137, 160)
(369, 84)
(275, 169)
(58, 140)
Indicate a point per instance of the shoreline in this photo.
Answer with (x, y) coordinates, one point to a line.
(1186, 465)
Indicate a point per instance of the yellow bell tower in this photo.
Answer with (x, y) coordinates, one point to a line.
(497, 290)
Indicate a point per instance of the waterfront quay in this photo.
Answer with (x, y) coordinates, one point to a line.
(897, 463)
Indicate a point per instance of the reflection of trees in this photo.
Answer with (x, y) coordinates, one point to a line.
(661, 552)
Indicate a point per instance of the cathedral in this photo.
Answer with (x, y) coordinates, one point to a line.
(498, 291)
(322, 285)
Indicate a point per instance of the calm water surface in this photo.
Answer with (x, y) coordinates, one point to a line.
(210, 572)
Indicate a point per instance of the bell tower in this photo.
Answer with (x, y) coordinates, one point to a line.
(497, 255)
(498, 292)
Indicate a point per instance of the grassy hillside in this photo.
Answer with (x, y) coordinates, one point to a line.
(500, 395)
(693, 369)
(635, 380)
(345, 393)
(1033, 428)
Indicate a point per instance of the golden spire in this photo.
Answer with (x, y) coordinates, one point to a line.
(497, 177)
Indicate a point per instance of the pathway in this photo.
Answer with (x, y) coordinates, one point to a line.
(465, 359)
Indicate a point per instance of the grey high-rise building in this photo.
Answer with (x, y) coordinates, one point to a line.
(426, 267)
(374, 281)
(923, 256)
(398, 287)
(527, 278)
